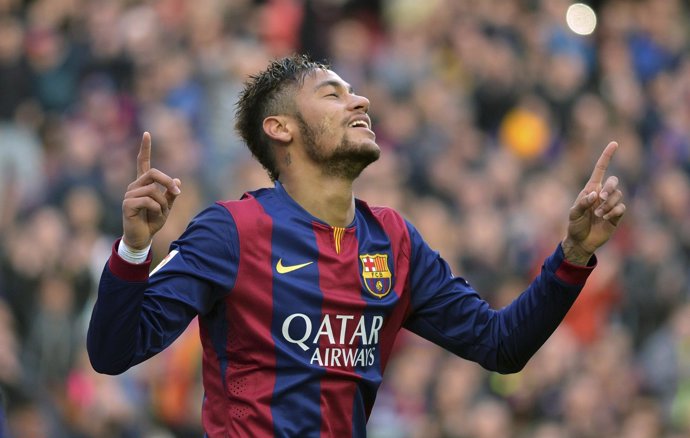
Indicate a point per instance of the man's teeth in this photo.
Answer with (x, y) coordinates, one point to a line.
(359, 123)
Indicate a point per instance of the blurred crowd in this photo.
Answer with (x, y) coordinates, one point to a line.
(490, 115)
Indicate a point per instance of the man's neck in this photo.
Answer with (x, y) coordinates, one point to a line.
(327, 198)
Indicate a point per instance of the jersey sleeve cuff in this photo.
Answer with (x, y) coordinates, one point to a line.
(125, 270)
(567, 272)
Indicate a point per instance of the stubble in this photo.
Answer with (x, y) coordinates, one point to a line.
(347, 160)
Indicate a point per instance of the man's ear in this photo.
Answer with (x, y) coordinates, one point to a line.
(276, 128)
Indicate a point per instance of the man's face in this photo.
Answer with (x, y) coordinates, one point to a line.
(334, 126)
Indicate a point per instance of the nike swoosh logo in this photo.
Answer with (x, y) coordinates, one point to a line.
(285, 269)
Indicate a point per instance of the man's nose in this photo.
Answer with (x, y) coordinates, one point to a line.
(359, 102)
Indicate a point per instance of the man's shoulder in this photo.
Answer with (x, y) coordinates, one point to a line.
(387, 216)
(248, 198)
(247, 211)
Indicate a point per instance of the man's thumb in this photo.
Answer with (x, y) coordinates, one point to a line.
(172, 196)
(582, 204)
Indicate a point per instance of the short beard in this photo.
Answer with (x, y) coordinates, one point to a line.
(347, 160)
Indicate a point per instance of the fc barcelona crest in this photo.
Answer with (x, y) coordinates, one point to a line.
(376, 275)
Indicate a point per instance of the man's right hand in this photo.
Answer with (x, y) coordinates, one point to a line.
(146, 207)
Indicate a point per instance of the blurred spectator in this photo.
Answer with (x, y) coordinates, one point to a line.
(15, 76)
(665, 364)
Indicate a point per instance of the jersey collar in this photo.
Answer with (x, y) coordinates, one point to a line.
(284, 196)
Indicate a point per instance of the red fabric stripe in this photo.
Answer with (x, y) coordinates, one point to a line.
(575, 274)
(250, 375)
(340, 284)
(214, 410)
(125, 270)
(396, 229)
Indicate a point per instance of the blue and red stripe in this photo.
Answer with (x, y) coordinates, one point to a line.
(388, 233)
(250, 376)
(295, 405)
(338, 279)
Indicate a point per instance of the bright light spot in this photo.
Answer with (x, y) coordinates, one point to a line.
(581, 19)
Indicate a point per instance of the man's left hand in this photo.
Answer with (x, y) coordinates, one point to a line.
(595, 214)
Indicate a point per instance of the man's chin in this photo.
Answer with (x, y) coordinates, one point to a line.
(367, 153)
(370, 150)
(350, 164)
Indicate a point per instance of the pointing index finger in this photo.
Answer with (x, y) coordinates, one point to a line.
(603, 163)
(144, 157)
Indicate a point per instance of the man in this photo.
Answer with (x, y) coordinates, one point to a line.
(301, 289)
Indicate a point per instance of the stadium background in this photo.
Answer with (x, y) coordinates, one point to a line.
(490, 115)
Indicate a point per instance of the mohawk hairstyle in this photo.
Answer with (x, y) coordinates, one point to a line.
(268, 93)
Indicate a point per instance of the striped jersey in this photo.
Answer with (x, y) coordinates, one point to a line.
(298, 318)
